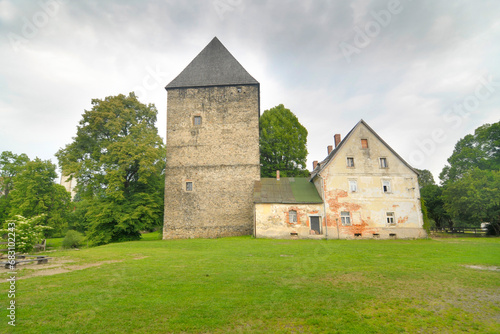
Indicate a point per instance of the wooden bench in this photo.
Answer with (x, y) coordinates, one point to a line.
(40, 259)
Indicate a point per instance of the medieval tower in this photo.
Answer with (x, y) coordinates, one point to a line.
(212, 147)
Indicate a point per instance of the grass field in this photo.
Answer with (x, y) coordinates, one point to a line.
(246, 285)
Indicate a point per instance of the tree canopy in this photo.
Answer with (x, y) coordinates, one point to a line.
(283, 142)
(118, 160)
(479, 150)
(471, 181)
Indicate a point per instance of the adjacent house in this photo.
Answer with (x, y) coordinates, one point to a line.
(367, 191)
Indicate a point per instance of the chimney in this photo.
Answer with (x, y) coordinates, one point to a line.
(330, 148)
(337, 139)
(315, 163)
(277, 175)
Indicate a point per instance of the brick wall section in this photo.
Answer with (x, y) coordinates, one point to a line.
(220, 157)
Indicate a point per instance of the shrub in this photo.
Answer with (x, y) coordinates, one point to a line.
(73, 239)
(26, 231)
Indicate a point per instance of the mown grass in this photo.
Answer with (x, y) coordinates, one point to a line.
(242, 285)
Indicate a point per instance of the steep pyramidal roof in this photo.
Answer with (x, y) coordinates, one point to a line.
(213, 66)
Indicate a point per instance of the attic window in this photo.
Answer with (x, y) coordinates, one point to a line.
(364, 143)
(197, 120)
(383, 163)
(350, 162)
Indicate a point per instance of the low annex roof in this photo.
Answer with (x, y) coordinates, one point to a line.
(322, 165)
(287, 190)
(213, 66)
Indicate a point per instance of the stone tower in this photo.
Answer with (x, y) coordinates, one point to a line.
(212, 147)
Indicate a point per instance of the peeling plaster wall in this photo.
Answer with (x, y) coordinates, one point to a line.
(272, 221)
(368, 206)
(220, 157)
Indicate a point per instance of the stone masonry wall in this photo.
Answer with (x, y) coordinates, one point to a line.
(220, 157)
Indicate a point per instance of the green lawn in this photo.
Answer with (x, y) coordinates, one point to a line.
(243, 285)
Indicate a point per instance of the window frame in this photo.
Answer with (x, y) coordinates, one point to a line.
(351, 183)
(292, 214)
(189, 186)
(384, 165)
(389, 188)
(197, 117)
(390, 218)
(347, 162)
(364, 141)
(345, 215)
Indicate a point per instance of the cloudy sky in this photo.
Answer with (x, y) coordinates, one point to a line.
(422, 74)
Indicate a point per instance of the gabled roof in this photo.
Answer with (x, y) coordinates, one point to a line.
(322, 165)
(213, 66)
(288, 190)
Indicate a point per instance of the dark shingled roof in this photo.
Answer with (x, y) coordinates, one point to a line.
(213, 66)
(288, 190)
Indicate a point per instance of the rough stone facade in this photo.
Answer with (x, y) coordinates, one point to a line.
(212, 161)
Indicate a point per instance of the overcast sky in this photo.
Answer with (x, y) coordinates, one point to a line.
(422, 74)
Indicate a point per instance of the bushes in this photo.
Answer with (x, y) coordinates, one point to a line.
(73, 239)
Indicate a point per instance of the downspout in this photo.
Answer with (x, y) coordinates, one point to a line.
(324, 205)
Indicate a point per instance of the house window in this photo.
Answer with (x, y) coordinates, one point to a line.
(345, 216)
(390, 218)
(239, 89)
(292, 216)
(350, 162)
(386, 186)
(197, 120)
(364, 143)
(383, 163)
(189, 186)
(353, 186)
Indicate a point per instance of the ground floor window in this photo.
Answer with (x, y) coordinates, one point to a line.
(345, 217)
(292, 216)
(390, 218)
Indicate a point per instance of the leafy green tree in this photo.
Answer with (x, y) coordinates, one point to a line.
(432, 195)
(475, 198)
(425, 177)
(283, 142)
(480, 150)
(10, 165)
(118, 159)
(35, 193)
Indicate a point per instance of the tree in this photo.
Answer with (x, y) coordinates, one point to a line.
(35, 193)
(425, 177)
(10, 165)
(283, 143)
(480, 150)
(118, 159)
(475, 198)
(432, 195)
